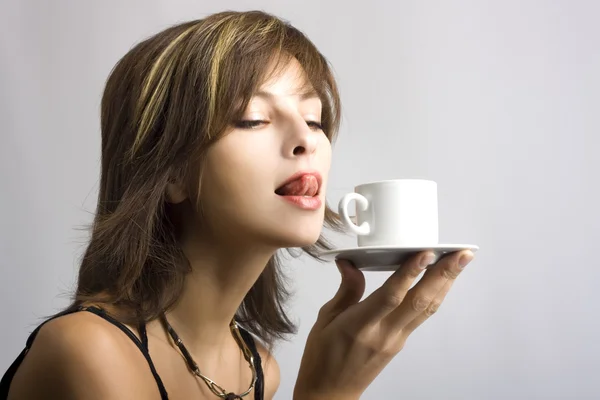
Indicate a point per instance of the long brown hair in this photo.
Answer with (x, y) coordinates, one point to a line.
(165, 102)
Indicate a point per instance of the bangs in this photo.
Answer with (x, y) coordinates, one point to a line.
(255, 58)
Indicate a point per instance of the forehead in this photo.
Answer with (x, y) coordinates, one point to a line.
(288, 79)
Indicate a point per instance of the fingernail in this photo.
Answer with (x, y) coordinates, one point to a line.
(465, 259)
(427, 260)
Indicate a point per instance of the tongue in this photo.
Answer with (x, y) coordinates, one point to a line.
(306, 185)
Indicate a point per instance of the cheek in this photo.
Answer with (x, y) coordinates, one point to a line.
(236, 167)
(324, 158)
(327, 151)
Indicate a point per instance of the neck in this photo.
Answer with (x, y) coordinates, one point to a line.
(213, 291)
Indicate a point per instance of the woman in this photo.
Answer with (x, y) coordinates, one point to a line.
(216, 145)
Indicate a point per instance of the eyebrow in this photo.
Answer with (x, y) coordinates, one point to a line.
(311, 94)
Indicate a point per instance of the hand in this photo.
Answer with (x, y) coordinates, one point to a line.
(352, 340)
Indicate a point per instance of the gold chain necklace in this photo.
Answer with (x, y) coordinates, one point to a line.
(212, 385)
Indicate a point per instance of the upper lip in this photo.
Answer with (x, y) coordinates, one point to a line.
(298, 175)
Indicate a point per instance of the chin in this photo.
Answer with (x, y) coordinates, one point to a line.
(297, 243)
(305, 241)
(296, 235)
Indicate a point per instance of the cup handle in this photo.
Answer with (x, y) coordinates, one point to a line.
(361, 202)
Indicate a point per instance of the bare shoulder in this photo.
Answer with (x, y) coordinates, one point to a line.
(270, 370)
(82, 356)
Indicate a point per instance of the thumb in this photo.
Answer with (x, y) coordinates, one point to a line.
(349, 293)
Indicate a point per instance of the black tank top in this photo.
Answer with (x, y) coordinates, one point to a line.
(141, 344)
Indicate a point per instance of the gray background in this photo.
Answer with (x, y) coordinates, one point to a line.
(497, 101)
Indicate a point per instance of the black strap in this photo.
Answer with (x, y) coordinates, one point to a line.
(144, 336)
(9, 374)
(142, 345)
(259, 388)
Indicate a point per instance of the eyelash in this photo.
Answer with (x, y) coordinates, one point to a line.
(252, 124)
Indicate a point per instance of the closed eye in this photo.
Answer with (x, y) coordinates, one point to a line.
(250, 124)
(253, 124)
(317, 126)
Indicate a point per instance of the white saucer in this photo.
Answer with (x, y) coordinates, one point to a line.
(389, 258)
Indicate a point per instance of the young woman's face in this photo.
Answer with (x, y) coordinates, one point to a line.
(279, 138)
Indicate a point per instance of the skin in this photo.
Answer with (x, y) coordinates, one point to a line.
(81, 356)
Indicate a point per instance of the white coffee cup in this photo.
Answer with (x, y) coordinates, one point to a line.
(401, 212)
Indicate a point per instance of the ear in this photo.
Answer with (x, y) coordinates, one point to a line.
(176, 193)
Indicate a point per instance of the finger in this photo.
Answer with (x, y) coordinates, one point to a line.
(422, 295)
(433, 307)
(391, 294)
(429, 311)
(349, 293)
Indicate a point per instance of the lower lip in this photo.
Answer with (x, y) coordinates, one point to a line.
(306, 203)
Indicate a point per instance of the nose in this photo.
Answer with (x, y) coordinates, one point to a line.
(301, 140)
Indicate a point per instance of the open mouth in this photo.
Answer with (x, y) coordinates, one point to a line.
(301, 185)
